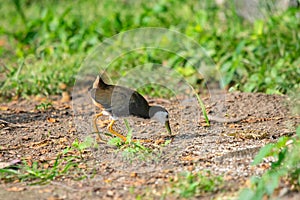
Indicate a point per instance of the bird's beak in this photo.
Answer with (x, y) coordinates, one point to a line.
(167, 124)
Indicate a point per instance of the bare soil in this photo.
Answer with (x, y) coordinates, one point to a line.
(241, 123)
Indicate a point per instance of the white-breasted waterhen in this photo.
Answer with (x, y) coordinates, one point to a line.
(117, 101)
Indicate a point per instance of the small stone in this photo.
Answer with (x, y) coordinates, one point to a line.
(110, 193)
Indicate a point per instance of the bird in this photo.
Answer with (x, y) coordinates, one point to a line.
(121, 102)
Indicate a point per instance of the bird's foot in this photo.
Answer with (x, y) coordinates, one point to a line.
(103, 123)
(100, 140)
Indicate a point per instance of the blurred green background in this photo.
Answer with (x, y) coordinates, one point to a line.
(43, 43)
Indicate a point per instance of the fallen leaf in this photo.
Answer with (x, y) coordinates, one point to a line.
(3, 108)
(40, 98)
(159, 141)
(234, 125)
(29, 163)
(204, 124)
(52, 120)
(15, 189)
(26, 138)
(107, 180)
(188, 158)
(15, 98)
(82, 166)
(37, 145)
(190, 168)
(16, 181)
(45, 190)
(63, 140)
(133, 174)
(46, 165)
(65, 97)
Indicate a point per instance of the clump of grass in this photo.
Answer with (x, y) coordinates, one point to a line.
(131, 149)
(188, 184)
(36, 174)
(285, 169)
(88, 142)
(134, 150)
(63, 165)
(44, 106)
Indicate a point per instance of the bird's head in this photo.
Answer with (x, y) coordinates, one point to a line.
(161, 115)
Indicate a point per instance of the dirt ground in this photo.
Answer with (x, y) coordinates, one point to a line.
(241, 123)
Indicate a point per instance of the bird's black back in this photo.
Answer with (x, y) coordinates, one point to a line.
(121, 101)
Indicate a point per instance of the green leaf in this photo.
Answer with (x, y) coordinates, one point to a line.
(203, 109)
(263, 152)
(87, 143)
(116, 141)
(272, 183)
(10, 171)
(281, 143)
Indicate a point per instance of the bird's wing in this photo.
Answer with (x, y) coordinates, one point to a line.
(138, 105)
(101, 97)
(114, 99)
(120, 100)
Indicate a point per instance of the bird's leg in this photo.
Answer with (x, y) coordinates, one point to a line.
(96, 127)
(95, 121)
(110, 129)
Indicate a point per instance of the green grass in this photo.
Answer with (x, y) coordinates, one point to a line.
(134, 150)
(65, 165)
(284, 169)
(44, 106)
(80, 146)
(188, 184)
(44, 43)
(35, 173)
